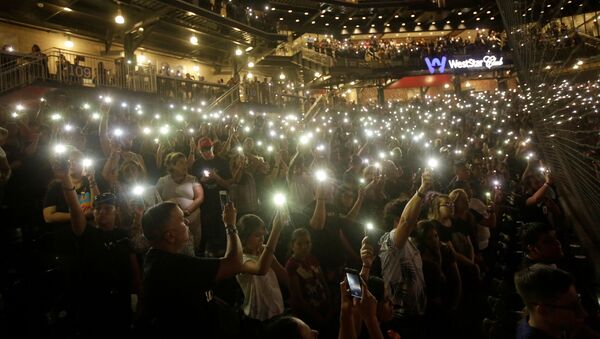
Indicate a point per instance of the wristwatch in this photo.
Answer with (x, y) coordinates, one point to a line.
(229, 229)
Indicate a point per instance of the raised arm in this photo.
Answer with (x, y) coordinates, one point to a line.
(262, 266)
(317, 221)
(110, 169)
(231, 263)
(539, 194)
(78, 222)
(103, 129)
(408, 219)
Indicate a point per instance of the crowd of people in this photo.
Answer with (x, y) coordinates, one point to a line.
(374, 50)
(367, 221)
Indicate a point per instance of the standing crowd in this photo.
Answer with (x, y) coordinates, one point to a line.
(374, 222)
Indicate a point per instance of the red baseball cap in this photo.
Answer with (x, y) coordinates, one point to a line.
(205, 142)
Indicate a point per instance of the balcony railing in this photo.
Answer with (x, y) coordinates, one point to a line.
(81, 69)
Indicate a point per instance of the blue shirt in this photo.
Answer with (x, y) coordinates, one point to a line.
(525, 331)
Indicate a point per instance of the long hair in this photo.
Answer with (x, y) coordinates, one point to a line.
(434, 208)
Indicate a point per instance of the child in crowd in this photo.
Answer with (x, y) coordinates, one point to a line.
(261, 272)
(308, 287)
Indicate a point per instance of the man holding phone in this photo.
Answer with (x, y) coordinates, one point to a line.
(402, 266)
(214, 175)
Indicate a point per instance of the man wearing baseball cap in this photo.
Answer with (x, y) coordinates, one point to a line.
(214, 174)
(106, 270)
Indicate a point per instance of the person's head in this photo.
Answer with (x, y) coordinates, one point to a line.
(550, 296)
(252, 232)
(355, 161)
(248, 145)
(441, 207)
(165, 226)
(385, 306)
(205, 146)
(290, 328)
(176, 163)
(461, 170)
(301, 243)
(345, 197)
(105, 210)
(370, 172)
(389, 169)
(131, 172)
(3, 135)
(392, 212)
(460, 199)
(75, 162)
(426, 237)
(35, 49)
(540, 242)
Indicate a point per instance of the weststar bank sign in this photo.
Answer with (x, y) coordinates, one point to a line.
(487, 62)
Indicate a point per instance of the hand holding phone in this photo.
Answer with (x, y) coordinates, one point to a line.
(354, 283)
(223, 199)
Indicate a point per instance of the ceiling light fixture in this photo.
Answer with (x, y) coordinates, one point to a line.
(194, 40)
(68, 42)
(119, 18)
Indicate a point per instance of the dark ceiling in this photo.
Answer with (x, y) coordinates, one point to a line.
(167, 25)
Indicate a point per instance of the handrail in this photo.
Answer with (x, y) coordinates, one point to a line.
(235, 88)
(314, 109)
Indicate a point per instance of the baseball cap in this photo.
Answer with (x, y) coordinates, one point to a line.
(205, 142)
(105, 199)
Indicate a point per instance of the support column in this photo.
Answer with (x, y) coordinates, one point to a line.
(380, 96)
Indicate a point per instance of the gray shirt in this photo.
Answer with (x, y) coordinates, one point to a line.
(402, 270)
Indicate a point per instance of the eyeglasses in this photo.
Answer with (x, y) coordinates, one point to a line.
(574, 306)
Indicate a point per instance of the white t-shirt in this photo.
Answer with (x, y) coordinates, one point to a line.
(262, 296)
(402, 270)
(182, 193)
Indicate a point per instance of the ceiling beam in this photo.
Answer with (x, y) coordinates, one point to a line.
(217, 18)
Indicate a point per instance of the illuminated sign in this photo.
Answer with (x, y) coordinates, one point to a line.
(487, 61)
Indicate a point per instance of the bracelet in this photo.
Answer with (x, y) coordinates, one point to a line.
(69, 189)
(231, 230)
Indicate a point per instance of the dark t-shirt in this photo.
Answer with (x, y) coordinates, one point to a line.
(326, 243)
(105, 260)
(211, 189)
(104, 279)
(174, 292)
(55, 196)
(445, 233)
(524, 331)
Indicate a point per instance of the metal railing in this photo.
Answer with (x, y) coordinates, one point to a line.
(18, 70)
(226, 100)
(81, 69)
(315, 109)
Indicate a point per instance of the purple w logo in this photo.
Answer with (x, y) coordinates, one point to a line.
(435, 62)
